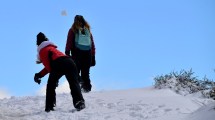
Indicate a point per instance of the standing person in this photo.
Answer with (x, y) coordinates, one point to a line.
(57, 64)
(80, 45)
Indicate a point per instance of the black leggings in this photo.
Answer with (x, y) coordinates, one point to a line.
(63, 66)
(83, 62)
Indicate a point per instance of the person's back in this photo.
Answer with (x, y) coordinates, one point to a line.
(44, 50)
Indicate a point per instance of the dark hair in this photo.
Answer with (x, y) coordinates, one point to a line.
(40, 38)
(79, 22)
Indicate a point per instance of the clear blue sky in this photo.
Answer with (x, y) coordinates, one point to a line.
(135, 40)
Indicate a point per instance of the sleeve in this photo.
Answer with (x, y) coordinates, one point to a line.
(70, 42)
(43, 72)
(93, 51)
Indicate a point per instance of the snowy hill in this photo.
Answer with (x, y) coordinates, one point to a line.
(133, 104)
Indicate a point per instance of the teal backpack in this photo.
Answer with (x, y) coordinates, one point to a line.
(83, 40)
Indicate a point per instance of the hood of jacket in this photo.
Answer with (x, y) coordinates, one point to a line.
(41, 46)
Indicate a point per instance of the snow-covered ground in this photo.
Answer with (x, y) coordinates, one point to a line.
(133, 104)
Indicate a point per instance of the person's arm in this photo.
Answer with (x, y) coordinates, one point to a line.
(93, 50)
(38, 76)
(70, 42)
(43, 72)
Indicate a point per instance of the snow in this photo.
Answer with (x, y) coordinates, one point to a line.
(132, 104)
(62, 88)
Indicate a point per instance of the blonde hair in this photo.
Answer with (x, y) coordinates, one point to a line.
(79, 22)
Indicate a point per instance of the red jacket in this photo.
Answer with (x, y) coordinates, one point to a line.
(43, 55)
(70, 44)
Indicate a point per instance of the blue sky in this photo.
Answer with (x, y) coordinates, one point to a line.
(135, 40)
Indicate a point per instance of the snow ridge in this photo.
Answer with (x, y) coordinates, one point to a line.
(133, 104)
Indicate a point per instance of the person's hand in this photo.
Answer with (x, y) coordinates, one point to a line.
(37, 78)
(93, 61)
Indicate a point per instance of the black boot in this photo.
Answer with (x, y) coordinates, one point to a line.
(49, 109)
(80, 105)
(86, 87)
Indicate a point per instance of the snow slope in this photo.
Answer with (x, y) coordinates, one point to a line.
(133, 104)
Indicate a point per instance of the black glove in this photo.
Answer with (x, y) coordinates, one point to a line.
(37, 78)
(93, 61)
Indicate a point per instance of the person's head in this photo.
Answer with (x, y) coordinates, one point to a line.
(40, 38)
(79, 22)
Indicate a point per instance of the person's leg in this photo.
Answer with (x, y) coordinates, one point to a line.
(78, 66)
(78, 100)
(72, 78)
(86, 85)
(50, 91)
(85, 71)
(66, 66)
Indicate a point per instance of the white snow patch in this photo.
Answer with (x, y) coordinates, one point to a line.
(62, 88)
(133, 104)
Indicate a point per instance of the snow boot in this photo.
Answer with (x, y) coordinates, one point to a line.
(49, 109)
(86, 87)
(80, 105)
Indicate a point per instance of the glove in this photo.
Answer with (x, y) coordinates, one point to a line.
(93, 61)
(37, 78)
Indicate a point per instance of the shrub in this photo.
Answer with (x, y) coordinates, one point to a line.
(185, 83)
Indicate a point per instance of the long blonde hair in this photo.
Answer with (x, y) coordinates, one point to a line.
(79, 22)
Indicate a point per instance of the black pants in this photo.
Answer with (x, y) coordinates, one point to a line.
(83, 63)
(63, 66)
